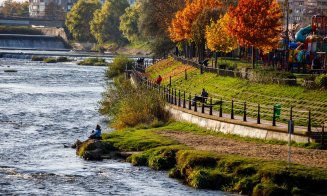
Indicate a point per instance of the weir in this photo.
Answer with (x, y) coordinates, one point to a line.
(41, 42)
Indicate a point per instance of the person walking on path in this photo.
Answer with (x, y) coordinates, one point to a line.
(158, 80)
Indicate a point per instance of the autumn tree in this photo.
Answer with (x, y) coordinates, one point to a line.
(105, 24)
(13, 8)
(256, 23)
(218, 38)
(189, 23)
(79, 17)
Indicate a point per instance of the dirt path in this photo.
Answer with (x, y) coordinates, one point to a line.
(308, 157)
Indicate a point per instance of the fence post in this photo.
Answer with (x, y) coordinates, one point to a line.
(221, 108)
(232, 112)
(323, 135)
(274, 117)
(184, 104)
(195, 105)
(309, 121)
(159, 89)
(185, 74)
(258, 119)
(210, 113)
(175, 97)
(244, 112)
(189, 102)
(169, 80)
(201, 69)
(291, 113)
(179, 98)
(202, 107)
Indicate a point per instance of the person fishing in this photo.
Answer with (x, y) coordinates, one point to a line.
(96, 134)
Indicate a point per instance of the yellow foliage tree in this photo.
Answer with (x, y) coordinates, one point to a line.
(217, 37)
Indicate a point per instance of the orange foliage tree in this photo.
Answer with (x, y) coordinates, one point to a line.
(256, 23)
(187, 22)
(181, 26)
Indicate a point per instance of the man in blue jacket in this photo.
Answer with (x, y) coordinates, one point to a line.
(96, 134)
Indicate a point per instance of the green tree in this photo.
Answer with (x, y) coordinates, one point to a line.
(154, 20)
(129, 21)
(105, 24)
(78, 19)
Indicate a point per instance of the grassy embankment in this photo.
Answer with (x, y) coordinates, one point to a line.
(19, 30)
(135, 113)
(203, 169)
(301, 99)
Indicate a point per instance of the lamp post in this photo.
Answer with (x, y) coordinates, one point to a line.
(286, 33)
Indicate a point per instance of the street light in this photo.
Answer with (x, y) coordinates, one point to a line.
(286, 32)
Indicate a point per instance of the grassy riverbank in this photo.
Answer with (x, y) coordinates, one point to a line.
(208, 169)
(199, 157)
(301, 99)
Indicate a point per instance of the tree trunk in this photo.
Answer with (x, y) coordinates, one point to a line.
(253, 57)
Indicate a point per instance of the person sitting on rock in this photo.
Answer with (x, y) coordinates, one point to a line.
(96, 134)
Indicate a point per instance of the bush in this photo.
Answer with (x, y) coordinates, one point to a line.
(38, 58)
(119, 65)
(93, 61)
(130, 106)
(321, 81)
(50, 60)
(62, 59)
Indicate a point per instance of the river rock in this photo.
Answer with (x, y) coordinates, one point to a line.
(95, 155)
(92, 149)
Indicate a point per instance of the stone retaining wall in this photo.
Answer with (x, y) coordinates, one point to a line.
(237, 128)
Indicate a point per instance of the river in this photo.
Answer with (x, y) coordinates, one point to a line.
(42, 107)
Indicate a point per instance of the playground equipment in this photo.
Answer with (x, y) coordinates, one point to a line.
(310, 46)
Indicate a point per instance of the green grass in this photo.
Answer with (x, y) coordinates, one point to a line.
(136, 140)
(19, 30)
(301, 99)
(139, 45)
(203, 169)
(93, 61)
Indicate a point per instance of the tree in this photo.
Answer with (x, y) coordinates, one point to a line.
(256, 23)
(12, 8)
(54, 11)
(154, 20)
(181, 25)
(79, 17)
(128, 23)
(189, 24)
(105, 24)
(218, 38)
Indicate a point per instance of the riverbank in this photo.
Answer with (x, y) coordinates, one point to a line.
(211, 161)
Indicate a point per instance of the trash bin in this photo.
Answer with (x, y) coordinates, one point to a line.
(278, 109)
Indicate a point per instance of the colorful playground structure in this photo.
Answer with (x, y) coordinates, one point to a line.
(309, 49)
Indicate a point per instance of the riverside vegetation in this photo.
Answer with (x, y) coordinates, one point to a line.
(140, 119)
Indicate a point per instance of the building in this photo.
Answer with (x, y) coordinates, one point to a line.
(38, 8)
(301, 11)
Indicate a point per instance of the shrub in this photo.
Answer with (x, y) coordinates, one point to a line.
(62, 59)
(119, 65)
(130, 106)
(38, 58)
(50, 60)
(321, 81)
(93, 61)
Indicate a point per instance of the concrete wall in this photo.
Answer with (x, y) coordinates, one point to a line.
(52, 31)
(238, 128)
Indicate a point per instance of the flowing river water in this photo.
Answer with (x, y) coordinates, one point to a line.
(42, 107)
